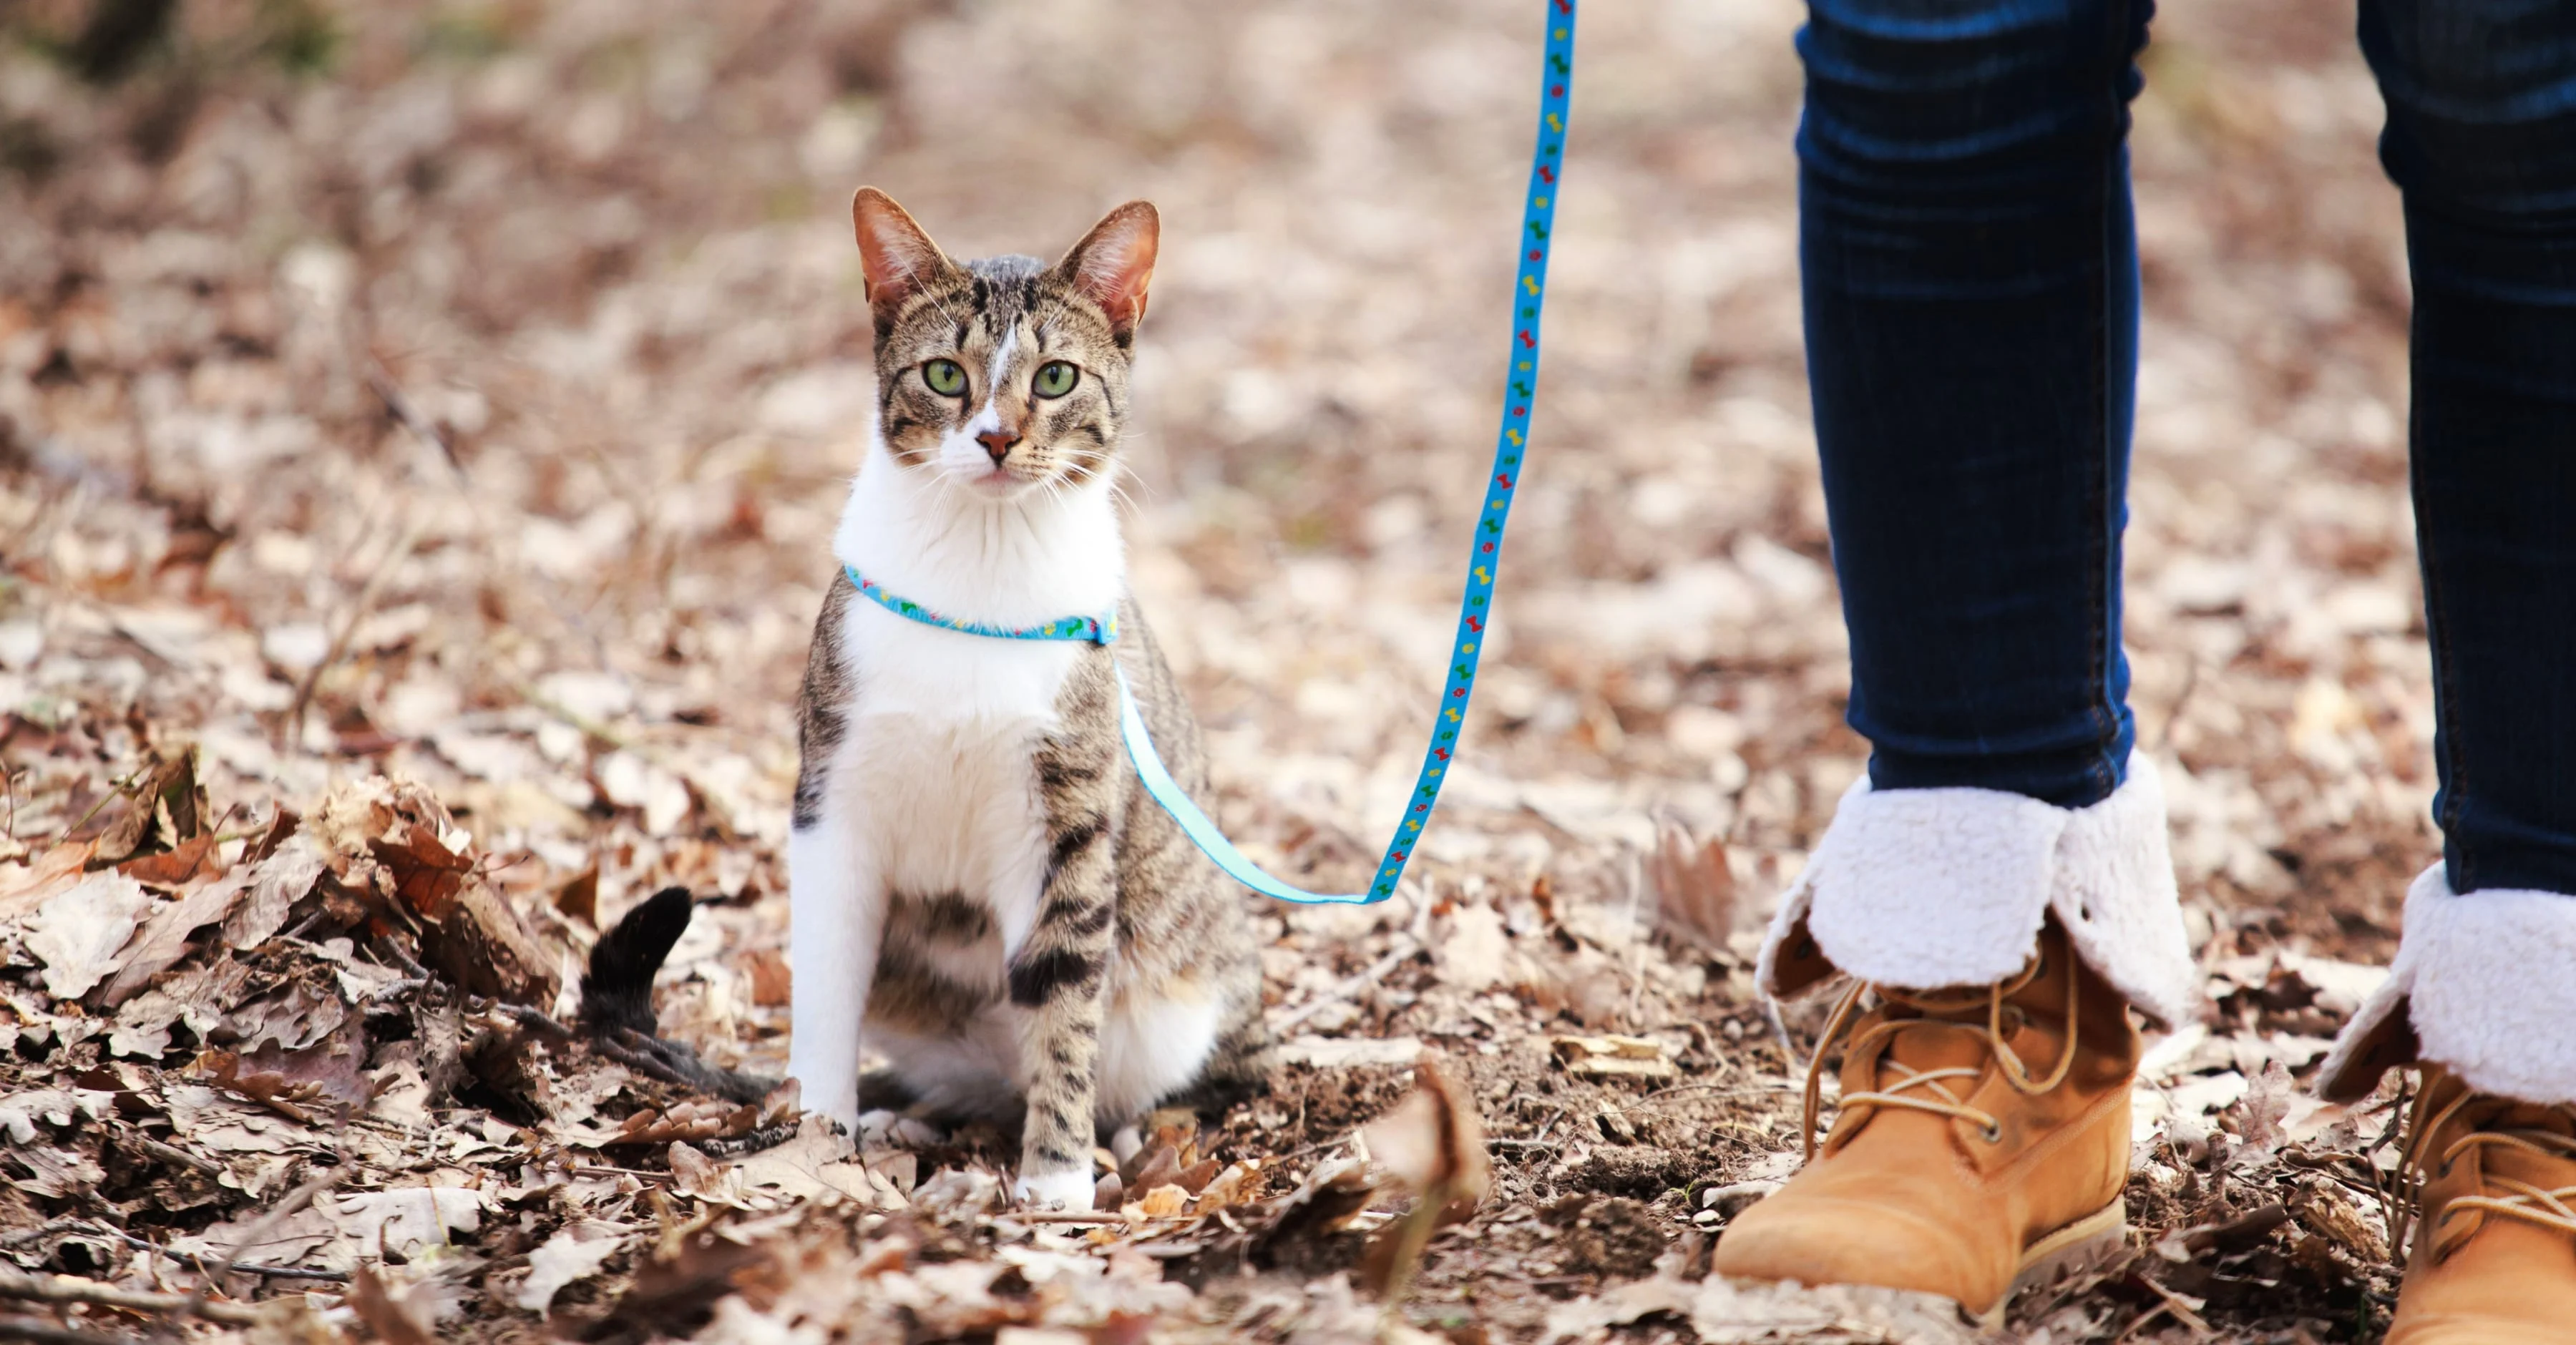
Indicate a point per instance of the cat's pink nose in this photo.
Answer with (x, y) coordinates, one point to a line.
(998, 443)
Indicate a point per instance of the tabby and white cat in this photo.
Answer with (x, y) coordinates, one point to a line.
(974, 871)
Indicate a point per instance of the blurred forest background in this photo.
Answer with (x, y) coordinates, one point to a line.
(426, 419)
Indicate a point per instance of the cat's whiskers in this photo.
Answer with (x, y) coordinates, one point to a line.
(1111, 468)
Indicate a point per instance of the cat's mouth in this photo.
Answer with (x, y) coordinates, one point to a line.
(998, 481)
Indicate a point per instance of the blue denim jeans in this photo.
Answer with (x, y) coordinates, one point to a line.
(1971, 285)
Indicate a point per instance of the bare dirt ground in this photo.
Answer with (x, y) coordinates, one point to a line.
(421, 426)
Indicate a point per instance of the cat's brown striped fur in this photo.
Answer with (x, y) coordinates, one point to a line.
(1132, 928)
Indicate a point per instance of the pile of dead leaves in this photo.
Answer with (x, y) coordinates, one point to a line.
(199, 1022)
(318, 1072)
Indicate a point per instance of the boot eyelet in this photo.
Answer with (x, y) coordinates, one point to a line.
(1992, 1132)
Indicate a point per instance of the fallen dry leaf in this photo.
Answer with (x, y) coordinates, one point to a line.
(164, 939)
(26, 884)
(315, 1082)
(1694, 888)
(166, 809)
(407, 1219)
(396, 1316)
(272, 888)
(575, 1253)
(1433, 1142)
(1477, 953)
(1614, 1057)
(1349, 1052)
(771, 987)
(574, 499)
(173, 867)
(79, 931)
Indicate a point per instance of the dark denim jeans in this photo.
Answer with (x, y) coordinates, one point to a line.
(1971, 285)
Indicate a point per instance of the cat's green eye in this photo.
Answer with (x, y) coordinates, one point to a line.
(1056, 378)
(945, 377)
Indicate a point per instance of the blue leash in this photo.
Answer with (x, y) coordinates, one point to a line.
(1529, 290)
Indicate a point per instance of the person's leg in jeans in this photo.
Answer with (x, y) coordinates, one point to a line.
(2000, 880)
(2481, 140)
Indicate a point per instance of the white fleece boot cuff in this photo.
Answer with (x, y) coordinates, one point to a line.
(1928, 888)
(2488, 984)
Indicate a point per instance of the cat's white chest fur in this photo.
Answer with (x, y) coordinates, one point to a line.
(942, 731)
(944, 725)
(934, 784)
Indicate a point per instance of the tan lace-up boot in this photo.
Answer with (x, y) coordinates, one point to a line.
(2494, 1254)
(1982, 1142)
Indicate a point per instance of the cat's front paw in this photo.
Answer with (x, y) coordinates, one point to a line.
(882, 1128)
(1070, 1189)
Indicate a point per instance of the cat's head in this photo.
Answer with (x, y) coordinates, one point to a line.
(1005, 375)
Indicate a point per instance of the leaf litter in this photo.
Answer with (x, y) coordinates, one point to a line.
(419, 423)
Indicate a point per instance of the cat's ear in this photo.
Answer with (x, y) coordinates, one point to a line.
(1114, 263)
(894, 254)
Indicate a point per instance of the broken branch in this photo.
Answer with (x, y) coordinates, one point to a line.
(69, 1289)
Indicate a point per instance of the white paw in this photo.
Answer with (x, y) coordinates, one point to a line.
(884, 1128)
(1124, 1144)
(1068, 1190)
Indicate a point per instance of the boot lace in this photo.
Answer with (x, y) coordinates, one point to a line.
(1931, 1004)
(2546, 1207)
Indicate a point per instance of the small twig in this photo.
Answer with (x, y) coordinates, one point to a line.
(173, 1154)
(381, 382)
(404, 962)
(116, 790)
(1718, 1089)
(367, 595)
(239, 1267)
(396, 989)
(70, 1289)
(1643, 936)
(387, 390)
(2131, 1332)
(2180, 1311)
(296, 935)
(261, 1227)
(38, 1332)
(289, 1272)
(1789, 1051)
(527, 691)
(1277, 1161)
(44, 1230)
(218, 827)
(1405, 949)
(1412, 1235)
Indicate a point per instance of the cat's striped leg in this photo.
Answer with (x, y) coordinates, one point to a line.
(1061, 979)
(1059, 975)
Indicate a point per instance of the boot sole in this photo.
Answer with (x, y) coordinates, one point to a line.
(2078, 1247)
